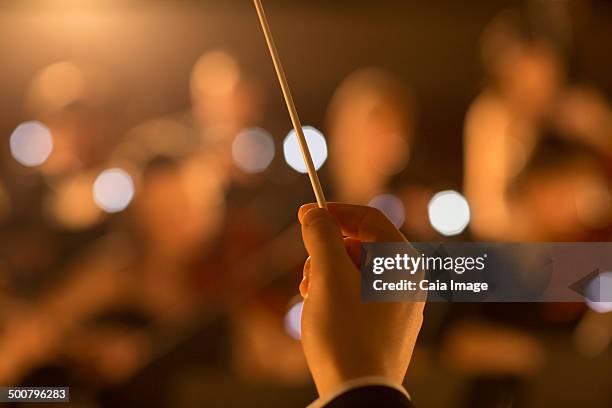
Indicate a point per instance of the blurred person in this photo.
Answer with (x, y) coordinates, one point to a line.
(52, 212)
(223, 94)
(155, 277)
(500, 134)
(179, 214)
(225, 100)
(75, 101)
(371, 127)
(533, 172)
(51, 218)
(371, 121)
(566, 190)
(529, 96)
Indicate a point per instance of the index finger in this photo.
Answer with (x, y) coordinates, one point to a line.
(367, 224)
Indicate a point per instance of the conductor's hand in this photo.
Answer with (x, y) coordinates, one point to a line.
(343, 337)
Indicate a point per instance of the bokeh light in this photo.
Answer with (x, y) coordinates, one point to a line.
(31, 143)
(316, 143)
(293, 320)
(600, 288)
(253, 150)
(391, 206)
(113, 190)
(449, 212)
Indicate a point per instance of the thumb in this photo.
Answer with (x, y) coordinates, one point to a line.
(323, 239)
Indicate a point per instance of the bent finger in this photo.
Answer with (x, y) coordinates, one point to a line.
(367, 224)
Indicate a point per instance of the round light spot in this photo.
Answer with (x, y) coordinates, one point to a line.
(316, 145)
(449, 212)
(391, 206)
(31, 143)
(253, 150)
(113, 190)
(600, 288)
(293, 320)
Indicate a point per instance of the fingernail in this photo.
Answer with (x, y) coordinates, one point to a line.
(304, 285)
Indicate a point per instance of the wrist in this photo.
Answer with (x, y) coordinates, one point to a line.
(329, 381)
(355, 383)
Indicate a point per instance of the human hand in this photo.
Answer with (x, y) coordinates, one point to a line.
(343, 337)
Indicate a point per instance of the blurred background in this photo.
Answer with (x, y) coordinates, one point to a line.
(149, 186)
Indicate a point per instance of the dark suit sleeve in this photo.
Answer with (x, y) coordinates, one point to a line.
(371, 396)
